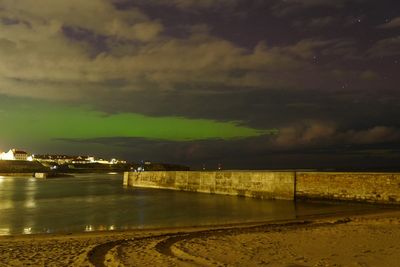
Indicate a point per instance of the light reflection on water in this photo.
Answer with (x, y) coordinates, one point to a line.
(100, 202)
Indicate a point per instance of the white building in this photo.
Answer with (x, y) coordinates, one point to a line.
(14, 154)
(116, 161)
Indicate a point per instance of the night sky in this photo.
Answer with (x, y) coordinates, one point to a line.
(245, 83)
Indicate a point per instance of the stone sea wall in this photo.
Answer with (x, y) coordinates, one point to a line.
(362, 186)
(264, 185)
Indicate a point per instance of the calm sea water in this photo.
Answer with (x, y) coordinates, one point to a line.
(101, 202)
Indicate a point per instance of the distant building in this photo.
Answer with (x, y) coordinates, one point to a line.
(117, 161)
(82, 160)
(90, 159)
(59, 159)
(14, 154)
(65, 159)
(102, 161)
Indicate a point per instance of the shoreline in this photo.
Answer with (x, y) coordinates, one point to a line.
(310, 218)
(243, 244)
(24, 174)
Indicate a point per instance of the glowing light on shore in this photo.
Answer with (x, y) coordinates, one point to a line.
(27, 230)
(4, 231)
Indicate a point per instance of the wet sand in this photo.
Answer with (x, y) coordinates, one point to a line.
(369, 239)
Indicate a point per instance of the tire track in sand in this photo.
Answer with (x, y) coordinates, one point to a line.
(166, 245)
(97, 255)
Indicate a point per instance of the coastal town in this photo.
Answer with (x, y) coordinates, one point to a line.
(21, 161)
(18, 154)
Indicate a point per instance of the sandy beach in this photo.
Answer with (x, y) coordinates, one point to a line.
(357, 240)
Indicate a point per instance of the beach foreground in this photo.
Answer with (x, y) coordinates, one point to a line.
(358, 240)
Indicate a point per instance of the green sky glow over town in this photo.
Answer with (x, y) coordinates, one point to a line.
(249, 83)
(47, 122)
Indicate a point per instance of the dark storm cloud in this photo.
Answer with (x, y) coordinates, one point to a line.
(275, 108)
(263, 63)
(312, 145)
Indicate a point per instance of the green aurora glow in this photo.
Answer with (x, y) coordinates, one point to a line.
(30, 122)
